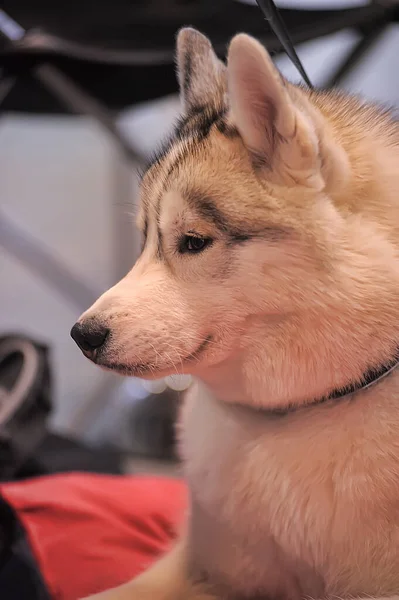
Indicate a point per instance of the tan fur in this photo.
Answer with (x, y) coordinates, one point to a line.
(306, 504)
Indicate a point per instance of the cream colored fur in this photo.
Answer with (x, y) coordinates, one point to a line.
(301, 301)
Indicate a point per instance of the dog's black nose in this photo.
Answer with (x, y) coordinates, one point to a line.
(89, 337)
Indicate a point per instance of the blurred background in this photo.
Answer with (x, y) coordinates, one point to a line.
(87, 91)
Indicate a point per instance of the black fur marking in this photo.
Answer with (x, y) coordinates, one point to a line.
(188, 71)
(196, 126)
(160, 244)
(226, 129)
(207, 209)
(269, 234)
(238, 238)
(199, 122)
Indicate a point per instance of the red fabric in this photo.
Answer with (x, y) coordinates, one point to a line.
(93, 532)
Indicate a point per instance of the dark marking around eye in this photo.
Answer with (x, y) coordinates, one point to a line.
(160, 244)
(208, 210)
(193, 244)
(241, 237)
(270, 234)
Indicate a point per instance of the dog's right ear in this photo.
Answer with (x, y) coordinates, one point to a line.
(276, 132)
(201, 75)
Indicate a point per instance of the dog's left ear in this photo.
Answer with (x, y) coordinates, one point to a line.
(278, 135)
(202, 76)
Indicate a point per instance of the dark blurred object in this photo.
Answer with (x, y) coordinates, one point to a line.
(122, 52)
(20, 575)
(152, 425)
(60, 454)
(25, 389)
(26, 447)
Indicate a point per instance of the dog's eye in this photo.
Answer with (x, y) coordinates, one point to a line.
(193, 244)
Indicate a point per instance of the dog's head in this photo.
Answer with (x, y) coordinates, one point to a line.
(243, 244)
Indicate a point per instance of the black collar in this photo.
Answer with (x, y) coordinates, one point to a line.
(370, 378)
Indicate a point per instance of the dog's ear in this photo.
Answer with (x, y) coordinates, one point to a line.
(275, 131)
(201, 75)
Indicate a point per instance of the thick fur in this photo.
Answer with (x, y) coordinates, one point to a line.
(296, 294)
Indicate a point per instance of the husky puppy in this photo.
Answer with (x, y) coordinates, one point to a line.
(269, 271)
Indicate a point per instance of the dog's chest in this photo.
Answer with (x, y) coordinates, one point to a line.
(269, 515)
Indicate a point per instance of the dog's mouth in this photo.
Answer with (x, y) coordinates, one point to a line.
(153, 370)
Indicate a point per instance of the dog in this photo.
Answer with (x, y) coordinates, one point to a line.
(270, 272)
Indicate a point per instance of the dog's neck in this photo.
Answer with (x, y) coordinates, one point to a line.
(271, 383)
(232, 389)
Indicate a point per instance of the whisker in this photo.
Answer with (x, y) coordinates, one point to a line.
(179, 358)
(157, 354)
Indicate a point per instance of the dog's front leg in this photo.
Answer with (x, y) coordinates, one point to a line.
(166, 580)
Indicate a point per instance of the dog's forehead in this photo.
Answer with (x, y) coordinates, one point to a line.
(190, 167)
(192, 138)
(190, 182)
(205, 168)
